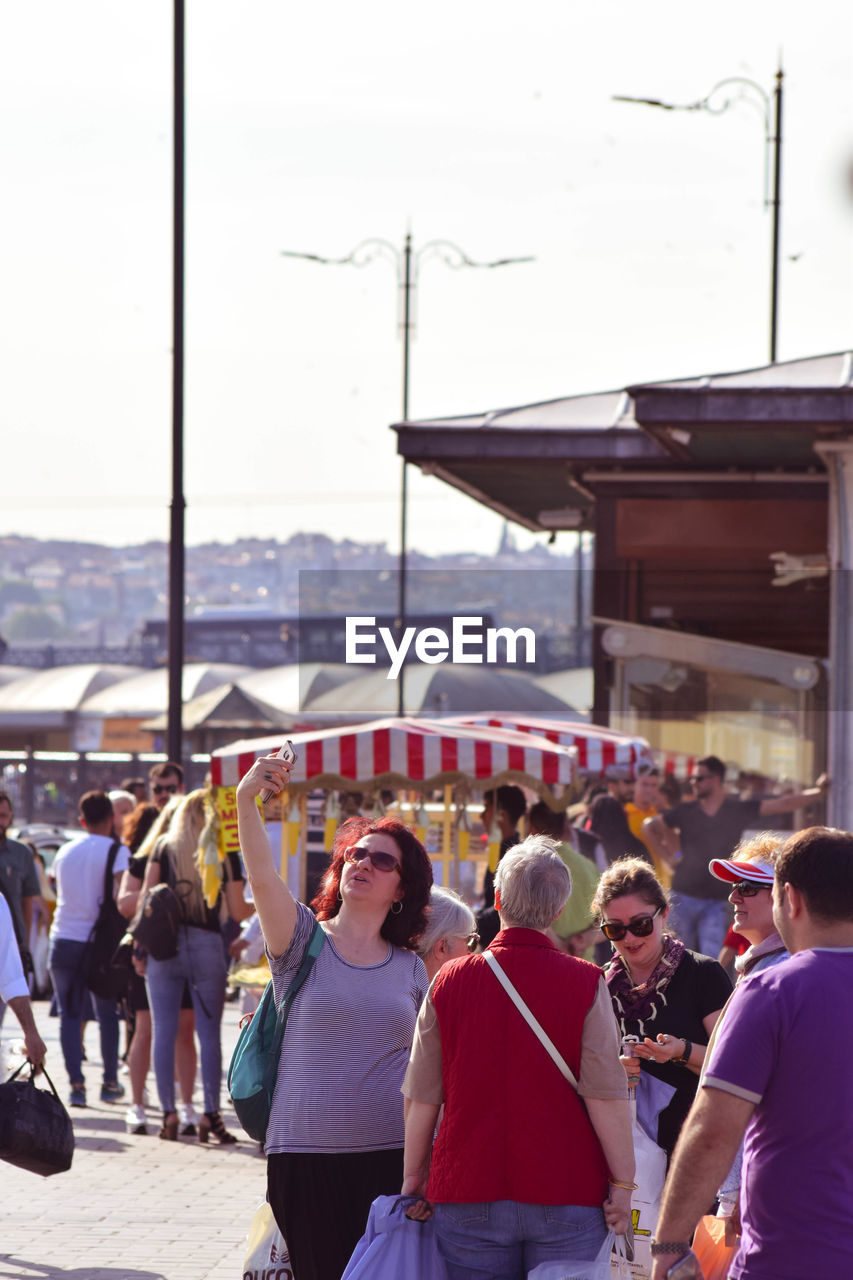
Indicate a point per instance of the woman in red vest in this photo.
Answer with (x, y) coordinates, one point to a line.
(525, 1169)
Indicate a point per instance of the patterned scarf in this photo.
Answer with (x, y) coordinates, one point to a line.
(643, 1003)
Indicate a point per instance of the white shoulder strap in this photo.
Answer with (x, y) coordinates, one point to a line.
(554, 1052)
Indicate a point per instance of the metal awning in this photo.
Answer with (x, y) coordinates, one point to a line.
(541, 465)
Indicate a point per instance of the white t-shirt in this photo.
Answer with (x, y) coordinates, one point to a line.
(79, 870)
(12, 980)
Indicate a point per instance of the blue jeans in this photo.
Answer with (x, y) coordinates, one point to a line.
(65, 964)
(700, 923)
(506, 1239)
(201, 963)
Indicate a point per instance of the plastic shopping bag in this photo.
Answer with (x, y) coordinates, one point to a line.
(598, 1268)
(650, 1175)
(395, 1247)
(266, 1252)
(709, 1245)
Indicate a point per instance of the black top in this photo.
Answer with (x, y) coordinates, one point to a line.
(509, 842)
(698, 987)
(232, 870)
(704, 837)
(136, 866)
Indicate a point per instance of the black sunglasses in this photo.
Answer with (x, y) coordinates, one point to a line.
(641, 927)
(160, 789)
(748, 888)
(381, 860)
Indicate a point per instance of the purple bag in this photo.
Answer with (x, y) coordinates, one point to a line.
(394, 1246)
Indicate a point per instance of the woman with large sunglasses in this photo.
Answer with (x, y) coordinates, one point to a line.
(335, 1136)
(667, 996)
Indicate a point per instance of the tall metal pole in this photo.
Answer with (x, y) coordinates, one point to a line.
(404, 477)
(176, 531)
(777, 208)
(407, 264)
(760, 95)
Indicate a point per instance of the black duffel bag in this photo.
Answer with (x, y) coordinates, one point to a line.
(35, 1129)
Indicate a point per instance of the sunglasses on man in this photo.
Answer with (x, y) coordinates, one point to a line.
(641, 927)
(165, 788)
(381, 860)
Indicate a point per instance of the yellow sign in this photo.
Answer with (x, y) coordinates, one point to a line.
(226, 805)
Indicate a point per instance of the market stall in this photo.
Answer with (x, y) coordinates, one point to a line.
(596, 747)
(416, 760)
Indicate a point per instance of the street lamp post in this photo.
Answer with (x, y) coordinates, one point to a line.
(719, 100)
(176, 524)
(407, 264)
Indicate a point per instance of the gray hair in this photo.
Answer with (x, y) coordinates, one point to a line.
(122, 795)
(447, 916)
(534, 884)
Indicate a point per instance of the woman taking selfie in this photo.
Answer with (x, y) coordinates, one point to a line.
(668, 996)
(335, 1135)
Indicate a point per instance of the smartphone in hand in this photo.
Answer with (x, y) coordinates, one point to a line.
(287, 753)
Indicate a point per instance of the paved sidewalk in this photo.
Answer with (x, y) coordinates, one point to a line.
(131, 1208)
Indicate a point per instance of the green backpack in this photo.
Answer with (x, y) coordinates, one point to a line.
(253, 1069)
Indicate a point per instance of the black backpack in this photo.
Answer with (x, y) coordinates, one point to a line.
(155, 925)
(107, 969)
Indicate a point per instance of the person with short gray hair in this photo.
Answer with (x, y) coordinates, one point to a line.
(451, 930)
(123, 803)
(534, 884)
(541, 1167)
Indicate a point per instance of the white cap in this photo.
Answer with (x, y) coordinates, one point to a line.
(733, 872)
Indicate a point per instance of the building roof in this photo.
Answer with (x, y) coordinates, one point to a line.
(448, 689)
(542, 464)
(46, 698)
(148, 693)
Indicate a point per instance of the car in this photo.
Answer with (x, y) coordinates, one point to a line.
(46, 838)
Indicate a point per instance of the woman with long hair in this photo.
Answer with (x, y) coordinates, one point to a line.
(667, 996)
(608, 822)
(141, 831)
(335, 1135)
(177, 859)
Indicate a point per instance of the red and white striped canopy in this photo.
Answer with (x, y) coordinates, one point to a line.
(596, 747)
(407, 752)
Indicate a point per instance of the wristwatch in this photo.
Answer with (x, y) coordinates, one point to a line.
(688, 1049)
(669, 1246)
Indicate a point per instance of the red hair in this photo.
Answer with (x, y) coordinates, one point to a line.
(404, 928)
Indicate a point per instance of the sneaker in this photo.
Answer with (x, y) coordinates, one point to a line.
(77, 1096)
(187, 1120)
(135, 1119)
(111, 1091)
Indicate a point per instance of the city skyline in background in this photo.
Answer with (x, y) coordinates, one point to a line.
(652, 246)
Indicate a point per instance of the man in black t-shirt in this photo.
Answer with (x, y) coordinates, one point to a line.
(506, 806)
(689, 836)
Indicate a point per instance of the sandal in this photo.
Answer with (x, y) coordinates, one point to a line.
(211, 1126)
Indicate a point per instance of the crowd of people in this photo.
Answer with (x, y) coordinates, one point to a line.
(410, 1064)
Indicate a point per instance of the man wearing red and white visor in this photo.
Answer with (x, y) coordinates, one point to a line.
(750, 873)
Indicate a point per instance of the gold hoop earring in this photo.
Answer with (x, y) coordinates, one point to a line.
(396, 907)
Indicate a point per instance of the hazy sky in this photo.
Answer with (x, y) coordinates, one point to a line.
(314, 127)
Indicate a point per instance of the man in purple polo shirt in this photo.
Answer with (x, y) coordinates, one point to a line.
(780, 1072)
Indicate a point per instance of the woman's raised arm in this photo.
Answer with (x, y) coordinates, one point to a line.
(275, 904)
